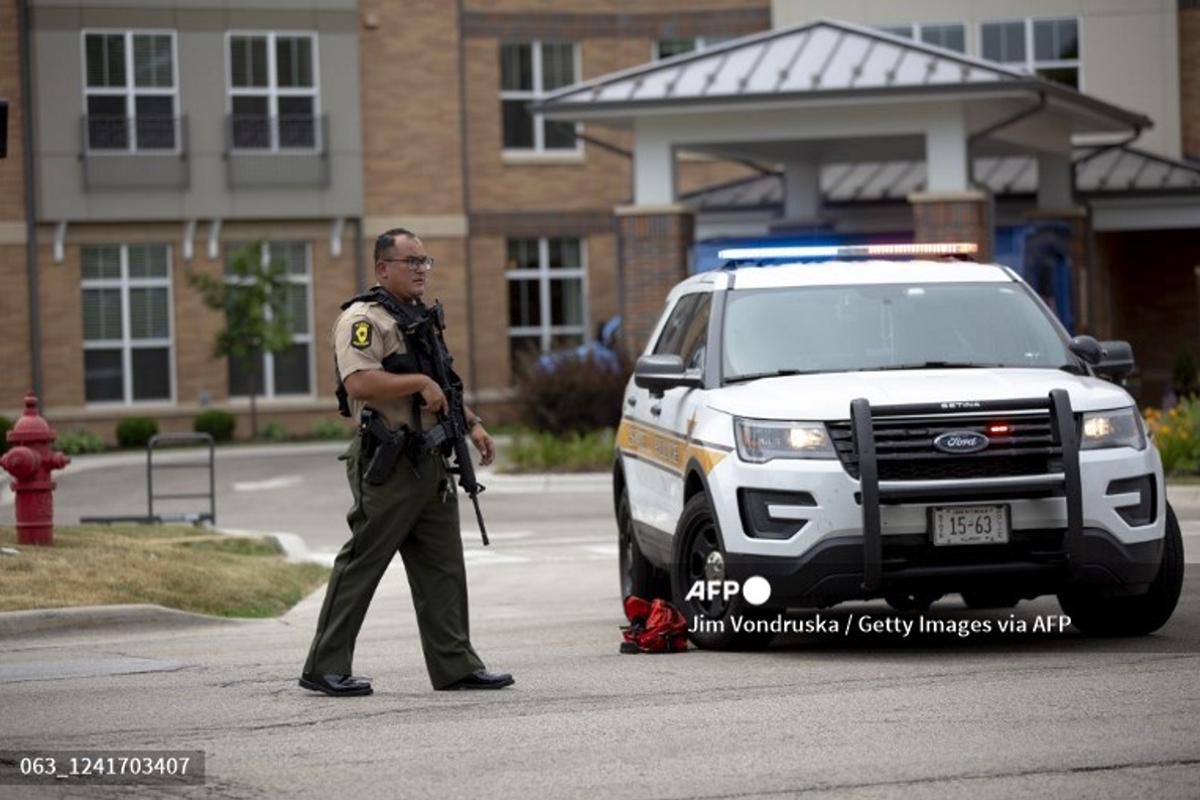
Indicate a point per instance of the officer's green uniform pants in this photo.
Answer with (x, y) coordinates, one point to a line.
(413, 516)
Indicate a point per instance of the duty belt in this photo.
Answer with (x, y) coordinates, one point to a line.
(383, 446)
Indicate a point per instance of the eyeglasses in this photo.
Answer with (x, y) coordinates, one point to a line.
(413, 263)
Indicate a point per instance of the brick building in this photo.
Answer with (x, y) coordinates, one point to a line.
(1023, 129)
(151, 140)
(169, 134)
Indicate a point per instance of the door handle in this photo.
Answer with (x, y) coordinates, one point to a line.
(656, 409)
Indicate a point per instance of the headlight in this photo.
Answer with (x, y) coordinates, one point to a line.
(1121, 427)
(760, 440)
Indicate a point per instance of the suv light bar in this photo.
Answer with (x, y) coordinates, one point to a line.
(853, 251)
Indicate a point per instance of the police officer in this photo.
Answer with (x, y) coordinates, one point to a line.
(413, 511)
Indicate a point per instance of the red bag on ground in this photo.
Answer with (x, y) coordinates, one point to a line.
(654, 627)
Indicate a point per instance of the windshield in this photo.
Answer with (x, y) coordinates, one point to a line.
(871, 327)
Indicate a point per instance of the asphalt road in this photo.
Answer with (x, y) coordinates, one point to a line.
(857, 714)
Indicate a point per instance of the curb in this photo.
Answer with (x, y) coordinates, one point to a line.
(141, 616)
(146, 617)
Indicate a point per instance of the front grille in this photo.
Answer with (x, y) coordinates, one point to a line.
(905, 452)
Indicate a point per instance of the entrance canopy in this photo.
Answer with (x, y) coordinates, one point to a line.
(830, 92)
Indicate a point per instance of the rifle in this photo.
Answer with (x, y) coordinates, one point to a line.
(427, 333)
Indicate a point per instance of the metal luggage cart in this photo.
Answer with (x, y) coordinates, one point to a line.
(197, 518)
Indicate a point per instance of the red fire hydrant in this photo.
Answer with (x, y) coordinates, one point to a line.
(29, 461)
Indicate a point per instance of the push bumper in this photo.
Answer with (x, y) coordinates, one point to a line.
(1032, 564)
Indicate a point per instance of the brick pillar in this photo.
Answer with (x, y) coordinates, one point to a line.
(655, 250)
(1189, 76)
(953, 217)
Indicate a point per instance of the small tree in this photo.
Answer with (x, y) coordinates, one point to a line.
(254, 298)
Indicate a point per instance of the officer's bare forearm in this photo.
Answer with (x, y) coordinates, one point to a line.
(377, 386)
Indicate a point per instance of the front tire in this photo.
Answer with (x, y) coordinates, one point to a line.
(1138, 615)
(700, 556)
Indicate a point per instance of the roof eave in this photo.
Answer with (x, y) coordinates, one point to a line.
(623, 113)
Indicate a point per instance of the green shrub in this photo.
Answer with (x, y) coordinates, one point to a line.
(1177, 436)
(216, 423)
(77, 442)
(135, 431)
(577, 396)
(275, 432)
(545, 452)
(5, 426)
(329, 429)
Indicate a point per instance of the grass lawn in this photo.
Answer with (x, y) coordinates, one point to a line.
(190, 569)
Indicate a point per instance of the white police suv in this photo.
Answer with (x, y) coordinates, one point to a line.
(858, 428)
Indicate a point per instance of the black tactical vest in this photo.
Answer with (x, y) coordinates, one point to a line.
(406, 315)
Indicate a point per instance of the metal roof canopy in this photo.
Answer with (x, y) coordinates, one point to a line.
(1099, 172)
(832, 92)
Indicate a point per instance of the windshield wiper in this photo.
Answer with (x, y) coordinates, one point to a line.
(936, 365)
(777, 373)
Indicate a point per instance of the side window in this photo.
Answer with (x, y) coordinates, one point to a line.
(671, 339)
(695, 337)
(686, 331)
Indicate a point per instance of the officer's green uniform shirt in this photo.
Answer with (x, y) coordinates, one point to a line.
(363, 336)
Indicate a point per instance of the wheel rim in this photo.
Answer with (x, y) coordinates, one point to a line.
(705, 562)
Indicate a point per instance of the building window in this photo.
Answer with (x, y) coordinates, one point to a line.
(547, 291)
(273, 92)
(666, 48)
(130, 93)
(288, 372)
(528, 71)
(1048, 48)
(127, 323)
(950, 35)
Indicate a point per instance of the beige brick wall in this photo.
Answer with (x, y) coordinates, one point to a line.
(410, 105)
(412, 146)
(199, 376)
(198, 373)
(333, 282)
(17, 377)
(12, 183)
(62, 326)
(1189, 76)
(507, 193)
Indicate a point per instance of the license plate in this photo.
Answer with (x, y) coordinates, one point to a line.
(953, 525)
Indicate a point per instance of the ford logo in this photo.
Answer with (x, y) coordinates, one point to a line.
(959, 442)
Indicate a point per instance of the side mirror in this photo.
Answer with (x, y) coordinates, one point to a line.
(1116, 362)
(1112, 360)
(1087, 348)
(659, 373)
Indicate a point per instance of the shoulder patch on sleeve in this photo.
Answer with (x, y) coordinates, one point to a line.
(360, 335)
